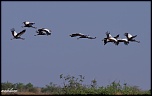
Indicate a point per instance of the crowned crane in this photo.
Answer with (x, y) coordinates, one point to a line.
(43, 31)
(17, 35)
(131, 38)
(29, 24)
(81, 36)
(109, 38)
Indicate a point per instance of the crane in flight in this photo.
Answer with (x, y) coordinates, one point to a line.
(29, 24)
(80, 35)
(17, 35)
(43, 31)
(131, 37)
(109, 38)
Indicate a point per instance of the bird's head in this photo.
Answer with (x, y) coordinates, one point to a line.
(71, 35)
(12, 29)
(48, 33)
(125, 34)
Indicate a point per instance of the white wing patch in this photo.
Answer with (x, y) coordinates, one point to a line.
(27, 23)
(47, 30)
(15, 33)
(129, 35)
(110, 36)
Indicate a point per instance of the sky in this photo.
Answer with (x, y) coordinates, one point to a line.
(41, 59)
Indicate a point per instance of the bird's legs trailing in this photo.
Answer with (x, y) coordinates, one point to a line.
(136, 41)
(22, 38)
(34, 27)
(18, 38)
(133, 40)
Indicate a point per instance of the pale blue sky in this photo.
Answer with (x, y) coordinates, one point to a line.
(40, 60)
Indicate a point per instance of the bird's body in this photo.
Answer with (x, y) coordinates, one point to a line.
(17, 35)
(29, 24)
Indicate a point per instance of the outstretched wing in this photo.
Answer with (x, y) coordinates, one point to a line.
(47, 31)
(133, 36)
(31, 23)
(116, 36)
(41, 29)
(13, 32)
(44, 31)
(28, 23)
(20, 33)
(129, 36)
(79, 34)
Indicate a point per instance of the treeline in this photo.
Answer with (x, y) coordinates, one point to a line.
(73, 85)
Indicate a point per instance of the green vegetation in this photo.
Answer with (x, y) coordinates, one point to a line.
(73, 85)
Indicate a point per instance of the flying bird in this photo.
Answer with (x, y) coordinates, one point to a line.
(109, 38)
(80, 35)
(131, 38)
(43, 31)
(29, 24)
(17, 35)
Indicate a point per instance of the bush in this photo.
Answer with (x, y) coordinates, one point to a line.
(73, 85)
